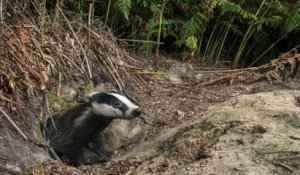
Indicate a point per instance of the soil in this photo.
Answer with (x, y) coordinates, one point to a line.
(226, 127)
(199, 118)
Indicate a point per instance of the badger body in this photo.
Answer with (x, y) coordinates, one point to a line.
(80, 126)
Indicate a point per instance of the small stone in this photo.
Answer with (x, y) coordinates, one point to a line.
(180, 114)
(174, 78)
(199, 76)
(68, 92)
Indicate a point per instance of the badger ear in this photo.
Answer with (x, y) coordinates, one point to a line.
(113, 91)
(93, 96)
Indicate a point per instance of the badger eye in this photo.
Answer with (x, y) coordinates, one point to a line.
(117, 104)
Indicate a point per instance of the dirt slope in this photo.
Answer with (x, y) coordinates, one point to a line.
(248, 134)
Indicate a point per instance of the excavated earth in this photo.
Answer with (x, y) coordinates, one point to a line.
(218, 129)
(200, 119)
(247, 134)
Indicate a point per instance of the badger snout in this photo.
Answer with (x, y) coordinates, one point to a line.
(137, 112)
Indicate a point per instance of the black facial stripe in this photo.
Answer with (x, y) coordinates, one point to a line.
(123, 108)
(109, 100)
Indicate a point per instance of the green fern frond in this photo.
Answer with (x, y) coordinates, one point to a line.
(227, 6)
(292, 21)
(191, 27)
(280, 7)
(167, 27)
(273, 21)
(191, 43)
(154, 8)
(124, 6)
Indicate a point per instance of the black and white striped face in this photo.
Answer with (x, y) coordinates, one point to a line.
(113, 105)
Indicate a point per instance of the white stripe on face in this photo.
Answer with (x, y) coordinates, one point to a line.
(127, 102)
(106, 110)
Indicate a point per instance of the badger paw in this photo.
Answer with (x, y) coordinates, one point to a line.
(97, 147)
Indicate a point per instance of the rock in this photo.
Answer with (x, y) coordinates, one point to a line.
(179, 115)
(27, 152)
(181, 68)
(68, 92)
(174, 78)
(199, 76)
(120, 132)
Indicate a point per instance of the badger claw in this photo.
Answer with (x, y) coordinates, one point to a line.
(105, 158)
(76, 158)
(103, 153)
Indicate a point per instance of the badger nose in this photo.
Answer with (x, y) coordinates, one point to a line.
(137, 112)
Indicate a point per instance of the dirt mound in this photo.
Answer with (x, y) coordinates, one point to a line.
(248, 134)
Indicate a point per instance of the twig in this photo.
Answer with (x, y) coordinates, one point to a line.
(289, 158)
(47, 146)
(119, 169)
(13, 123)
(113, 67)
(1, 11)
(207, 83)
(8, 100)
(97, 35)
(77, 39)
(59, 84)
(47, 111)
(276, 151)
(142, 41)
(89, 23)
(130, 171)
(113, 75)
(37, 45)
(53, 153)
(284, 165)
(295, 137)
(145, 72)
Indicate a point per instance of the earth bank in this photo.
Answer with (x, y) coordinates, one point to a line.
(247, 134)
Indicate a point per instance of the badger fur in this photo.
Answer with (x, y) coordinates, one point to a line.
(80, 126)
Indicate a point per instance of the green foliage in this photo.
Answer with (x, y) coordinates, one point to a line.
(193, 26)
(260, 43)
(154, 8)
(124, 7)
(278, 6)
(292, 21)
(232, 27)
(191, 43)
(221, 29)
(229, 7)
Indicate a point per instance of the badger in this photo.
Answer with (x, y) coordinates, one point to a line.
(80, 126)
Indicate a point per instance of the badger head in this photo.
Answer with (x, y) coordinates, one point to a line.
(113, 105)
